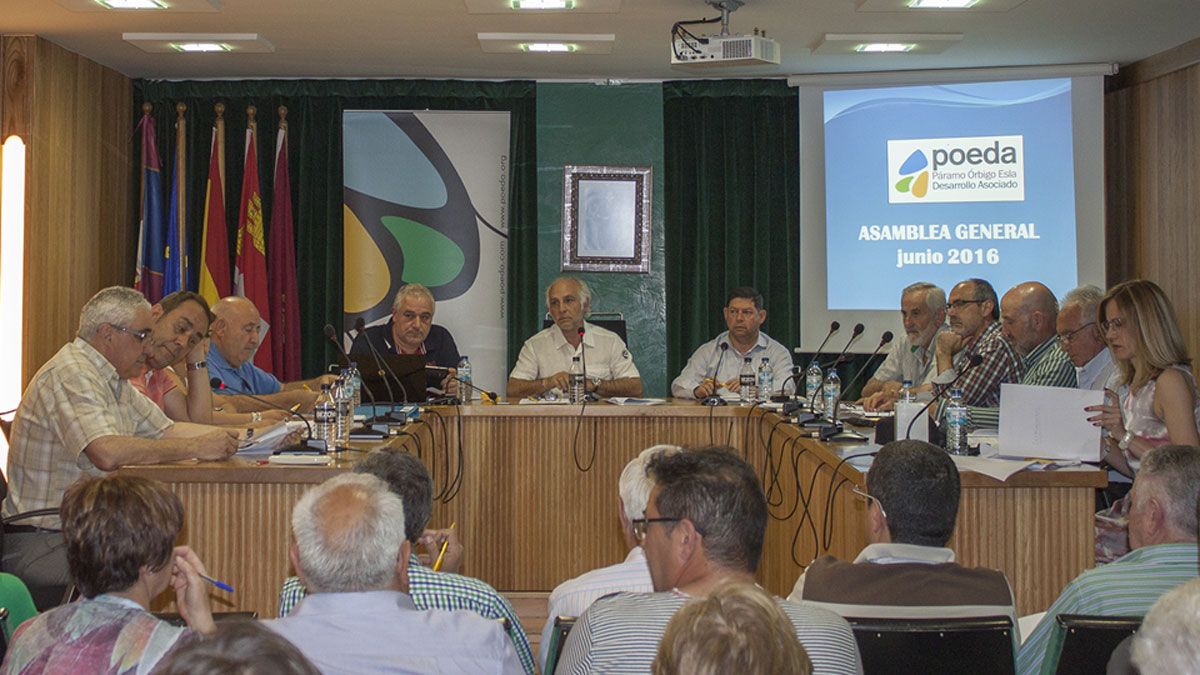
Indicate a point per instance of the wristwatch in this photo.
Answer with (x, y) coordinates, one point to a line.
(596, 384)
(197, 366)
(1125, 440)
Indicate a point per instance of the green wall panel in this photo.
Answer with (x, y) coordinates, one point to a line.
(615, 125)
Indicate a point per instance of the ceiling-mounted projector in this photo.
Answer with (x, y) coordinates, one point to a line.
(723, 49)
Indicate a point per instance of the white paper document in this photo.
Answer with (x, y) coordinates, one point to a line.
(1048, 422)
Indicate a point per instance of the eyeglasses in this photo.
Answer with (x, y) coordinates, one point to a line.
(640, 525)
(859, 491)
(959, 304)
(1112, 324)
(139, 334)
(1064, 339)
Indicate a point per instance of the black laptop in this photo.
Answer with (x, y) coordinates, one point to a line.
(407, 384)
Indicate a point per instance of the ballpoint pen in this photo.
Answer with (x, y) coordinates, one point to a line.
(219, 584)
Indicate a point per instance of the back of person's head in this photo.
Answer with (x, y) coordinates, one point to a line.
(1168, 641)
(349, 532)
(115, 305)
(746, 293)
(1150, 317)
(237, 648)
(917, 486)
(408, 479)
(115, 525)
(719, 493)
(738, 628)
(634, 486)
(1171, 473)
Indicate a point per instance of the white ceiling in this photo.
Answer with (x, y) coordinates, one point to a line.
(437, 38)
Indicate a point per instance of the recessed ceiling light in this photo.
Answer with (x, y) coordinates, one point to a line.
(201, 47)
(548, 47)
(543, 4)
(132, 4)
(884, 47)
(942, 4)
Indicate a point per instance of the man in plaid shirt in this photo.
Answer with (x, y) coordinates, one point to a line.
(973, 314)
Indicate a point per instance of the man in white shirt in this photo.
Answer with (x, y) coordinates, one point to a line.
(1079, 336)
(923, 314)
(573, 596)
(715, 366)
(544, 363)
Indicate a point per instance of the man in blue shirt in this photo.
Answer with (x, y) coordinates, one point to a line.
(235, 337)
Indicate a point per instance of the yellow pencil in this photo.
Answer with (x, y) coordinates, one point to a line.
(437, 564)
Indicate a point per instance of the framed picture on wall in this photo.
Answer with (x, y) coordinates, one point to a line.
(606, 218)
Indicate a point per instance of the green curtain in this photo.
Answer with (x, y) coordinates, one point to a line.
(315, 145)
(732, 206)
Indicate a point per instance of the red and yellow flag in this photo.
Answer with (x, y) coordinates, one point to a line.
(250, 266)
(214, 255)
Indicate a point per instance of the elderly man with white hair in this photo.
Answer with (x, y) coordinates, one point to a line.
(923, 315)
(1080, 337)
(573, 596)
(80, 416)
(352, 554)
(545, 359)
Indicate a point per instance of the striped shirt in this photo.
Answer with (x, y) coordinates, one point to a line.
(1046, 366)
(620, 634)
(441, 590)
(1128, 586)
(574, 596)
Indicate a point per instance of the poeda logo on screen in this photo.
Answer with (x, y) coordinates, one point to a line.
(977, 169)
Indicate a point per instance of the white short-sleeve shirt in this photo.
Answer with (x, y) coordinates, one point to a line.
(548, 352)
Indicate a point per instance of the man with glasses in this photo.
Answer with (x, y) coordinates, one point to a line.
(1080, 337)
(714, 367)
(1028, 316)
(236, 333)
(974, 330)
(704, 524)
(80, 416)
(906, 571)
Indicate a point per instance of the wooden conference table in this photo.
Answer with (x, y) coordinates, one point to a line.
(533, 490)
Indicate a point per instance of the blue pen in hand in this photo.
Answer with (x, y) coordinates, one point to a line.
(219, 584)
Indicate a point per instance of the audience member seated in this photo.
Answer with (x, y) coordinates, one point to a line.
(1169, 640)
(739, 628)
(15, 598)
(906, 571)
(236, 334)
(353, 556)
(1162, 534)
(239, 647)
(704, 524)
(974, 330)
(409, 480)
(711, 370)
(411, 330)
(573, 596)
(1080, 337)
(1028, 318)
(120, 533)
(1157, 401)
(80, 416)
(923, 314)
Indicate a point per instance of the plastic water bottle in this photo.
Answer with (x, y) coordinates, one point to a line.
(906, 394)
(957, 418)
(354, 378)
(746, 379)
(325, 417)
(578, 385)
(464, 374)
(832, 392)
(813, 377)
(766, 380)
(342, 398)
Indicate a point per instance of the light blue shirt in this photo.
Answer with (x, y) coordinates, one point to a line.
(245, 379)
(705, 360)
(384, 632)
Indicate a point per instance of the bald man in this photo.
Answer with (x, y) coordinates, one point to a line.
(235, 337)
(1028, 320)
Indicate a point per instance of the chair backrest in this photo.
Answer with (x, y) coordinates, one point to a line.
(981, 646)
(613, 321)
(1083, 644)
(558, 638)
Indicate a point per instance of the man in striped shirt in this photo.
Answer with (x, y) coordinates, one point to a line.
(704, 523)
(1162, 536)
(1028, 318)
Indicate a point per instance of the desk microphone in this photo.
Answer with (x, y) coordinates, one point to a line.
(360, 327)
(331, 335)
(883, 341)
(834, 326)
(216, 383)
(443, 369)
(593, 395)
(715, 398)
(976, 359)
(858, 330)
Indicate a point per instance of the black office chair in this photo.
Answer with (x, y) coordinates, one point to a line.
(613, 321)
(1084, 644)
(980, 646)
(558, 638)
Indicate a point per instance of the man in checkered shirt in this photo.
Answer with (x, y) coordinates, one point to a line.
(973, 314)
